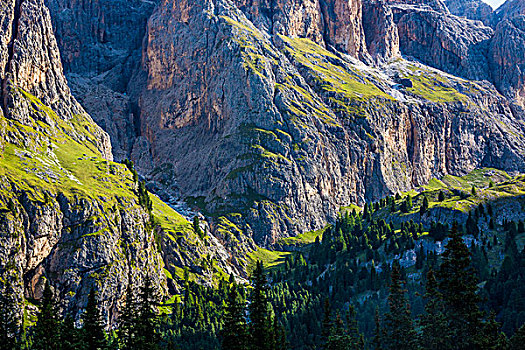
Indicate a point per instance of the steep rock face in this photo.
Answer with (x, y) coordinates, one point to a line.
(344, 29)
(296, 17)
(101, 44)
(509, 9)
(67, 213)
(382, 38)
(285, 132)
(253, 120)
(33, 64)
(434, 5)
(471, 9)
(507, 58)
(446, 42)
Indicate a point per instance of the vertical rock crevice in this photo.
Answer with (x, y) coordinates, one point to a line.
(10, 53)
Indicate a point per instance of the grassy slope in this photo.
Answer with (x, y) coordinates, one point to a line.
(44, 160)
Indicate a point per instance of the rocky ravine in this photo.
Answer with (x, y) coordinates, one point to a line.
(68, 214)
(283, 111)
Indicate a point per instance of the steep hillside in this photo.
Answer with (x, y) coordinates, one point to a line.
(68, 214)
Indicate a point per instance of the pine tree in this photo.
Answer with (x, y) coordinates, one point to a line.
(356, 339)
(128, 319)
(377, 341)
(235, 331)
(424, 207)
(518, 339)
(94, 334)
(458, 286)
(338, 338)
(9, 319)
(258, 308)
(435, 334)
(147, 320)
(46, 333)
(279, 335)
(72, 338)
(197, 227)
(327, 321)
(400, 333)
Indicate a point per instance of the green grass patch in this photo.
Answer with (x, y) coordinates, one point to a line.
(270, 258)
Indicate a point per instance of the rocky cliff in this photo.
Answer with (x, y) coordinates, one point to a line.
(68, 214)
(284, 111)
(471, 9)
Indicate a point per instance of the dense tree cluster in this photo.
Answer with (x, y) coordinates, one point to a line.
(365, 284)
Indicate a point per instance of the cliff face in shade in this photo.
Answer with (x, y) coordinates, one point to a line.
(100, 44)
(509, 9)
(471, 9)
(446, 42)
(507, 57)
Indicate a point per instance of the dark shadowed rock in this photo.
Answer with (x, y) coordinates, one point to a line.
(446, 42)
(507, 58)
(471, 9)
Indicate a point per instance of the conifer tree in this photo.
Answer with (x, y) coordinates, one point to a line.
(458, 287)
(327, 321)
(338, 338)
(435, 334)
(9, 319)
(518, 339)
(258, 308)
(72, 338)
(46, 333)
(147, 320)
(235, 332)
(377, 341)
(424, 207)
(356, 339)
(279, 335)
(128, 319)
(94, 334)
(400, 333)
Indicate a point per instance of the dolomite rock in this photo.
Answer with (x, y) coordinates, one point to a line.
(100, 42)
(507, 58)
(448, 43)
(247, 126)
(33, 65)
(382, 38)
(471, 9)
(509, 9)
(344, 29)
(237, 116)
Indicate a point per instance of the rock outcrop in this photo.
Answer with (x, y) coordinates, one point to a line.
(446, 42)
(509, 9)
(381, 34)
(507, 58)
(112, 33)
(471, 9)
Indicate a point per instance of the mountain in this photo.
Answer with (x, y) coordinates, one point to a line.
(284, 111)
(260, 119)
(68, 213)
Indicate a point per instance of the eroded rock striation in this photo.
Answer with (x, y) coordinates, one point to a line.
(471, 9)
(283, 111)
